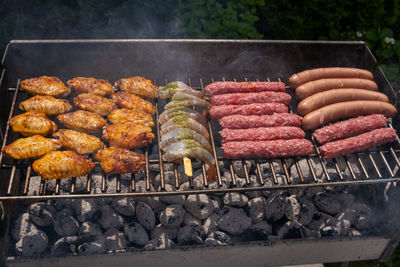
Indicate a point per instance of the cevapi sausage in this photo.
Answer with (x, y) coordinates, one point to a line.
(358, 143)
(217, 88)
(323, 73)
(217, 112)
(320, 85)
(342, 110)
(335, 96)
(254, 121)
(262, 134)
(249, 98)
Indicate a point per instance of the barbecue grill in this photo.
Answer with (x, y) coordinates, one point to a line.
(198, 63)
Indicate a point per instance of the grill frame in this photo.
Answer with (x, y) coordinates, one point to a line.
(19, 53)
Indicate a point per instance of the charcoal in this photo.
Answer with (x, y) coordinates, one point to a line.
(161, 230)
(124, 206)
(269, 181)
(115, 240)
(310, 192)
(42, 214)
(256, 209)
(98, 245)
(275, 207)
(136, 234)
(305, 170)
(211, 223)
(65, 223)
(235, 200)
(160, 243)
(330, 231)
(221, 238)
(65, 245)
(362, 209)
(216, 202)
(328, 202)
(307, 210)
(292, 229)
(319, 220)
(167, 167)
(197, 183)
(85, 209)
(62, 203)
(178, 199)
(225, 178)
(80, 184)
(234, 221)
(34, 185)
(190, 235)
(238, 167)
(354, 232)
(153, 202)
(145, 215)
(211, 242)
(200, 206)
(172, 216)
(169, 177)
(266, 169)
(363, 224)
(33, 243)
(349, 215)
(254, 182)
(258, 231)
(22, 226)
(110, 218)
(96, 181)
(189, 219)
(292, 208)
(88, 231)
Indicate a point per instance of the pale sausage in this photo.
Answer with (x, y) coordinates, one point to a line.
(320, 85)
(322, 73)
(335, 96)
(342, 110)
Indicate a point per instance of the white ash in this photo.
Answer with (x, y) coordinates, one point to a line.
(160, 230)
(172, 216)
(256, 209)
(160, 243)
(115, 240)
(85, 209)
(235, 200)
(42, 214)
(33, 243)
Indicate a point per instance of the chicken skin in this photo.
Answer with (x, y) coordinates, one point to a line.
(62, 164)
(46, 104)
(127, 135)
(45, 85)
(127, 115)
(139, 86)
(120, 160)
(32, 123)
(31, 147)
(131, 101)
(94, 103)
(79, 142)
(83, 121)
(90, 85)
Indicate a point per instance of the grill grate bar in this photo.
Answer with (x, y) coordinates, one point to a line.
(233, 176)
(339, 172)
(103, 182)
(362, 167)
(386, 163)
(160, 161)
(12, 177)
(41, 187)
(272, 168)
(27, 179)
(259, 173)
(57, 191)
(246, 173)
(299, 171)
(133, 184)
(147, 169)
(375, 166)
(287, 175)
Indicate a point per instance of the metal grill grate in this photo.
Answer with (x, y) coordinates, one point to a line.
(379, 165)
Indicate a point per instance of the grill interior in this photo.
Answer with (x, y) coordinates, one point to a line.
(379, 165)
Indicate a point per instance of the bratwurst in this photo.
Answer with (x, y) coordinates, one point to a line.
(325, 98)
(321, 73)
(320, 85)
(346, 109)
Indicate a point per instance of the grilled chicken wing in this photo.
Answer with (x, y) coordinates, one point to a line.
(83, 121)
(139, 86)
(31, 147)
(127, 135)
(131, 101)
(32, 123)
(90, 85)
(94, 103)
(46, 104)
(45, 85)
(79, 142)
(120, 160)
(62, 164)
(127, 115)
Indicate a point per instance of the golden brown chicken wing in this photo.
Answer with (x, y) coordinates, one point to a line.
(127, 135)
(31, 147)
(62, 164)
(46, 104)
(90, 85)
(94, 103)
(131, 101)
(83, 121)
(79, 142)
(45, 85)
(32, 123)
(120, 160)
(139, 86)
(127, 115)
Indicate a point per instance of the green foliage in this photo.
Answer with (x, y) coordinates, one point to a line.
(219, 19)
